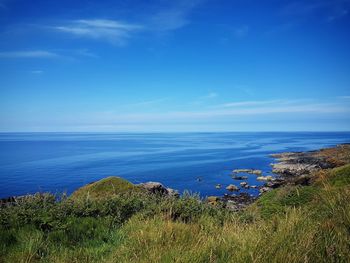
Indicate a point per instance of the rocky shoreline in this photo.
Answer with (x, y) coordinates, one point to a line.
(294, 168)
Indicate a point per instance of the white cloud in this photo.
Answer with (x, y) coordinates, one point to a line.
(103, 29)
(29, 54)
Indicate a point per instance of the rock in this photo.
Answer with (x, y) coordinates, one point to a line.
(218, 186)
(275, 183)
(238, 202)
(213, 200)
(248, 171)
(172, 192)
(299, 163)
(158, 188)
(265, 178)
(264, 189)
(240, 177)
(303, 180)
(232, 187)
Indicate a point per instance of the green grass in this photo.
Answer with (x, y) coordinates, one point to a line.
(278, 200)
(105, 188)
(340, 176)
(111, 221)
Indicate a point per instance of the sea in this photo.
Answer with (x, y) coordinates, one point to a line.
(194, 162)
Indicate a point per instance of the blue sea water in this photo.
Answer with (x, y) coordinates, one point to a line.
(59, 162)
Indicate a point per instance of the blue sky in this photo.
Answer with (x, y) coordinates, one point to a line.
(181, 65)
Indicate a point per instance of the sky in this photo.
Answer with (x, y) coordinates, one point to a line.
(174, 66)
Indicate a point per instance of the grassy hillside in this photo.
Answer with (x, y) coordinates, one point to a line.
(112, 222)
(105, 188)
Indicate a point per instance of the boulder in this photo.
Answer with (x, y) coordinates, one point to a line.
(158, 188)
(248, 171)
(232, 187)
(265, 178)
(235, 177)
(213, 200)
(264, 189)
(237, 202)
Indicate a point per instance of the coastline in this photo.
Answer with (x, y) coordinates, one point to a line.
(290, 168)
(115, 219)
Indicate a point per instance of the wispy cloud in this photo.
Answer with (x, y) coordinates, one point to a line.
(174, 15)
(145, 103)
(29, 54)
(113, 31)
(205, 98)
(229, 114)
(248, 103)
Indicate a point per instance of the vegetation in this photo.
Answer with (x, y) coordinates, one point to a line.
(112, 221)
(105, 188)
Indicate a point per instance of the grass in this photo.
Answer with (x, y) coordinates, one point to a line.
(340, 176)
(105, 188)
(277, 200)
(111, 221)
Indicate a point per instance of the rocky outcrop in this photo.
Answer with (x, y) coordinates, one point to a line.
(235, 177)
(232, 187)
(238, 202)
(158, 188)
(299, 163)
(213, 200)
(265, 178)
(248, 171)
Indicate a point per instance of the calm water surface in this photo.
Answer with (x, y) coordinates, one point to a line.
(57, 162)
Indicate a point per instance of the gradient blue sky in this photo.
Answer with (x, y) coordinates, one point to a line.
(181, 65)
